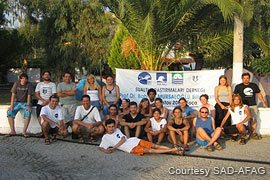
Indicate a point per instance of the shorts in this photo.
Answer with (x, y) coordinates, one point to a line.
(38, 110)
(253, 111)
(231, 129)
(138, 150)
(203, 143)
(68, 112)
(53, 130)
(17, 106)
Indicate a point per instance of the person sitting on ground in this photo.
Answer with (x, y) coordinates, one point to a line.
(52, 120)
(204, 100)
(21, 94)
(187, 113)
(156, 126)
(164, 111)
(92, 89)
(110, 94)
(151, 93)
(145, 108)
(115, 139)
(180, 126)
(124, 109)
(87, 118)
(240, 116)
(113, 115)
(206, 133)
(133, 121)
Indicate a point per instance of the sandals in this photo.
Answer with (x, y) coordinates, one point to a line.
(255, 136)
(81, 140)
(242, 141)
(186, 147)
(234, 138)
(47, 142)
(25, 136)
(93, 138)
(218, 146)
(179, 151)
(10, 134)
(209, 148)
(54, 138)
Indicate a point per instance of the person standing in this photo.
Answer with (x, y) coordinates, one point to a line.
(44, 91)
(21, 94)
(66, 91)
(92, 89)
(248, 91)
(223, 97)
(110, 94)
(151, 93)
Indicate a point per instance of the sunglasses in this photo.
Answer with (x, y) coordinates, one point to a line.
(204, 112)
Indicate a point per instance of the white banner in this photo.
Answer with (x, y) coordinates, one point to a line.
(170, 85)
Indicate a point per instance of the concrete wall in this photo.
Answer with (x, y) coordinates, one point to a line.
(263, 121)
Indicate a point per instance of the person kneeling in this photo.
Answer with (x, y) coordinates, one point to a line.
(239, 119)
(156, 126)
(115, 139)
(206, 133)
(52, 120)
(87, 118)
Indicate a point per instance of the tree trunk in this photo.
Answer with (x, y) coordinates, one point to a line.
(237, 50)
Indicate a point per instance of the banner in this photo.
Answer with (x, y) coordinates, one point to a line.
(170, 85)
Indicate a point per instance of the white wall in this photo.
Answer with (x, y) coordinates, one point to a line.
(263, 121)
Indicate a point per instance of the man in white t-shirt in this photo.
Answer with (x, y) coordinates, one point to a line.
(87, 116)
(44, 91)
(53, 120)
(115, 139)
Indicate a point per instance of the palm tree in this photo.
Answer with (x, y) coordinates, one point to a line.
(156, 25)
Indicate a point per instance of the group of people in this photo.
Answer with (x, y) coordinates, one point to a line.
(126, 123)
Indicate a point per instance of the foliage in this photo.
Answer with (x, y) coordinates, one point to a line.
(65, 34)
(117, 59)
(155, 26)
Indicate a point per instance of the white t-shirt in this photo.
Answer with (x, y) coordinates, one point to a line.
(110, 140)
(53, 114)
(45, 90)
(238, 115)
(156, 126)
(93, 117)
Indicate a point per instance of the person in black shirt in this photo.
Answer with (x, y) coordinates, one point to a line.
(133, 121)
(248, 91)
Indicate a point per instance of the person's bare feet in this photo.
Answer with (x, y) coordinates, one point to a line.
(11, 134)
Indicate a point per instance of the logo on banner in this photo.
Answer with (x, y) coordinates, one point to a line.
(144, 78)
(177, 78)
(195, 78)
(161, 78)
